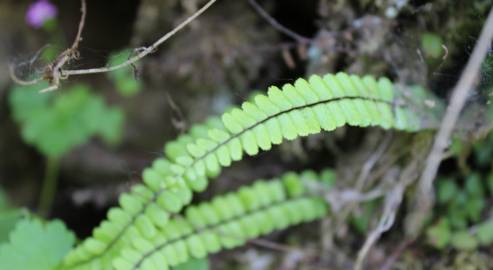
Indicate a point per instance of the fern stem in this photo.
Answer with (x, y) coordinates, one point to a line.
(49, 186)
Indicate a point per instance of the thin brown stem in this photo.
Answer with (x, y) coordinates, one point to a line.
(281, 28)
(146, 51)
(20, 81)
(55, 71)
(49, 187)
(78, 37)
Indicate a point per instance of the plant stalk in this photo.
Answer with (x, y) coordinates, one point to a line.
(49, 187)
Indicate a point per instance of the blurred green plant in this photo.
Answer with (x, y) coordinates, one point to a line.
(55, 123)
(8, 217)
(432, 45)
(194, 264)
(463, 221)
(464, 217)
(360, 221)
(123, 78)
(31, 236)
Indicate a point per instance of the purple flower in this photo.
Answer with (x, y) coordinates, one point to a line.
(39, 12)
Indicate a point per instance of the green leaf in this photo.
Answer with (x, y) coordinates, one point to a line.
(328, 178)
(231, 124)
(447, 189)
(474, 208)
(56, 124)
(26, 101)
(463, 240)
(457, 146)
(483, 152)
(238, 125)
(457, 212)
(8, 219)
(111, 124)
(474, 186)
(432, 44)
(439, 235)
(123, 78)
(36, 246)
(196, 247)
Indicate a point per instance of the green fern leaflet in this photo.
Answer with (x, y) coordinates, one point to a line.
(136, 234)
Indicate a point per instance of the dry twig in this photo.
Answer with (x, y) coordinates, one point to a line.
(458, 99)
(281, 28)
(393, 200)
(372, 160)
(55, 72)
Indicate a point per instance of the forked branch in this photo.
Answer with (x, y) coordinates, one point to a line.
(55, 72)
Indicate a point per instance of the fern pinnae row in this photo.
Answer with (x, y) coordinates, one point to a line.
(259, 197)
(117, 237)
(261, 122)
(356, 101)
(211, 227)
(213, 150)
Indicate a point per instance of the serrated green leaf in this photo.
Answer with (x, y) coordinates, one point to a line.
(36, 246)
(56, 124)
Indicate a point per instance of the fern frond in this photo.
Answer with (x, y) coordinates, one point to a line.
(307, 107)
(226, 222)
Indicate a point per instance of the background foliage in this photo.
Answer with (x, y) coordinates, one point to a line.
(104, 130)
